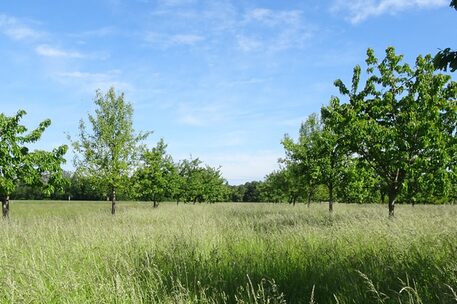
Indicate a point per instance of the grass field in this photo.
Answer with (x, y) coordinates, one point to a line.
(76, 252)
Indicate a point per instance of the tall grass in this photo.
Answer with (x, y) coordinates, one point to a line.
(71, 252)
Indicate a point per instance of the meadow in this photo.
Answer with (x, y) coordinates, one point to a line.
(77, 252)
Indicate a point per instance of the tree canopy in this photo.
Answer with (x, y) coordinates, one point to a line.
(402, 122)
(109, 150)
(20, 165)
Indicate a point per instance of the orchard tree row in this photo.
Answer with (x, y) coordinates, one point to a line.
(110, 158)
(391, 136)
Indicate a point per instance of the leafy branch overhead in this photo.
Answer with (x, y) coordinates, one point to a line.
(447, 58)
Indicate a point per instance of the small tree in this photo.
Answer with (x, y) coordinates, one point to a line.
(19, 165)
(319, 156)
(153, 181)
(110, 150)
(402, 122)
(302, 155)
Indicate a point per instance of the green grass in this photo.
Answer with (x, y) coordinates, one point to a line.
(76, 252)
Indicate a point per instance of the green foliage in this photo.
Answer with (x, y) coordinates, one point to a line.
(109, 151)
(402, 123)
(447, 58)
(198, 183)
(155, 179)
(302, 156)
(316, 158)
(19, 165)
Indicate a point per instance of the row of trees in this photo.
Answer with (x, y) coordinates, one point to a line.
(110, 158)
(394, 137)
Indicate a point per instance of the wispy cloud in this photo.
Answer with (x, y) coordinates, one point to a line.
(175, 2)
(17, 30)
(254, 30)
(90, 82)
(241, 167)
(360, 10)
(201, 115)
(165, 41)
(49, 51)
(273, 30)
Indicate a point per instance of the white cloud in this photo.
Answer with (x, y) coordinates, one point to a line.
(90, 82)
(17, 30)
(273, 30)
(165, 41)
(48, 51)
(188, 39)
(201, 115)
(175, 2)
(274, 18)
(248, 44)
(359, 10)
(239, 168)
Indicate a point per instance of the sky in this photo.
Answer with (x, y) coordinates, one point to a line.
(221, 80)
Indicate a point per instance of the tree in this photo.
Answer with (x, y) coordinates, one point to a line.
(110, 150)
(317, 156)
(19, 165)
(251, 192)
(198, 183)
(402, 123)
(153, 181)
(275, 188)
(302, 155)
(447, 57)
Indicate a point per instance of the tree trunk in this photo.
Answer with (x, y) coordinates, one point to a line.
(392, 199)
(309, 199)
(330, 193)
(113, 202)
(6, 206)
(156, 204)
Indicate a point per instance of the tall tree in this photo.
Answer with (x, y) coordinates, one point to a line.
(109, 151)
(401, 123)
(19, 165)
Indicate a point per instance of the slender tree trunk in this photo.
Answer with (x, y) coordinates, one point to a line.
(330, 193)
(156, 204)
(392, 199)
(6, 206)
(113, 202)
(309, 199)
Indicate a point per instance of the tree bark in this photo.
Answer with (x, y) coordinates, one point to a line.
(155, 204)
(330, 202)
(113, 202)
(392, 199)
(6, 206)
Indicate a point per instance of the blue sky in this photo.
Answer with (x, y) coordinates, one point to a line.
(219, 80)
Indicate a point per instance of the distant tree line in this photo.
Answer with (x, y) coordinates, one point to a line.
(156, 179)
